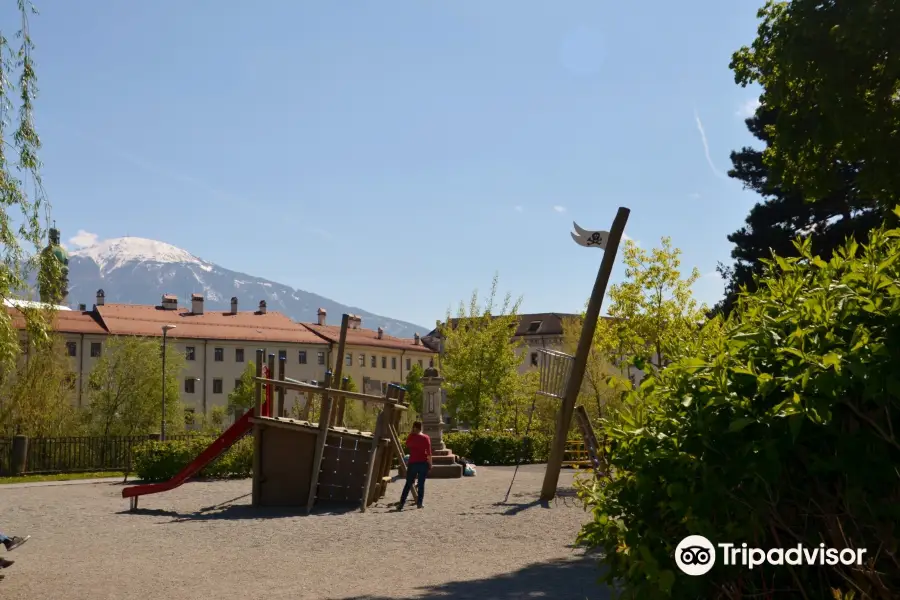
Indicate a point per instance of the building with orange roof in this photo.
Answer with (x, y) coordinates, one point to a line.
(217, 345)
(372, 358)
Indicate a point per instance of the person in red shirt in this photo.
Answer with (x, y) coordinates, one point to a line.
(419, 446)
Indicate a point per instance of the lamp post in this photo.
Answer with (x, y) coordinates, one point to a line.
(162, 431)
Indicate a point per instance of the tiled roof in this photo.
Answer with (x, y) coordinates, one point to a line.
(366, 337)
(65, 321)
(145, 320)
(550, 324)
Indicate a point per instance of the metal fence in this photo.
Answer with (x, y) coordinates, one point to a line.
(76, 454)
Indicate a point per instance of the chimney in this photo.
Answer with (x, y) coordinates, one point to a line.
(82, 307)
(100, 297)
(380, 333)
(321, 313)
(234, 305)
(169, 302)
(416, 340)
(355, 321)
(262, 307)
(197, 304)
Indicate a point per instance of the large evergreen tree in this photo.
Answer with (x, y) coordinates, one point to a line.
(783, 214)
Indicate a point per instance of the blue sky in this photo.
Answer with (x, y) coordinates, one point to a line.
(394, 155)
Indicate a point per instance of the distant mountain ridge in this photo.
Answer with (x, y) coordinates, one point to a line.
(138, 271)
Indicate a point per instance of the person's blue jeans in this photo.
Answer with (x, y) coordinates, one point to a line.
(415, 471)
(3, 538)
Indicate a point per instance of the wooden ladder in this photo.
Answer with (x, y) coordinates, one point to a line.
(590, 440)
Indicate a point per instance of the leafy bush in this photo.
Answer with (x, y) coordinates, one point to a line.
(783, 432)
(492, 448)
(158, 461)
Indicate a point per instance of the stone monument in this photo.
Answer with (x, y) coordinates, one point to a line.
(444, 463)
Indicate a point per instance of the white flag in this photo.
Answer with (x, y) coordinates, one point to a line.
(590, 239)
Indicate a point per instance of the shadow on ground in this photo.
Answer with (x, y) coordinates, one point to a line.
(564, 579)
(228, 511)
(517, 504)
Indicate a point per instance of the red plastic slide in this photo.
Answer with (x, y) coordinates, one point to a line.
(231, 435)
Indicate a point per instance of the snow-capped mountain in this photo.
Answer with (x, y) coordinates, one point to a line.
(138, 271)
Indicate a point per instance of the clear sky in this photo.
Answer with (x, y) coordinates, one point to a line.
(394, 155)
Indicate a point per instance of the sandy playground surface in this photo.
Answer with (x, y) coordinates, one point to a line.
(204, 541)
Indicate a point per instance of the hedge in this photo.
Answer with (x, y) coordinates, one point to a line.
(158, 461)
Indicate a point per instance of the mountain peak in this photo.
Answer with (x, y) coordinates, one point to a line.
(113, 253)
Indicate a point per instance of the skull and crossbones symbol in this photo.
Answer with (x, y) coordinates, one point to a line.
(596, 239)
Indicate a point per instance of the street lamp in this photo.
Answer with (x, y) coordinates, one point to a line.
(162, 431)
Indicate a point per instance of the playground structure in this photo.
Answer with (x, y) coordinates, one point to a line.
(297, 463)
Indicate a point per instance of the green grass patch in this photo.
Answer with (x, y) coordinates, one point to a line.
(61, 477)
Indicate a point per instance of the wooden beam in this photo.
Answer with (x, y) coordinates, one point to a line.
(373, 455)
(341, 403)
(325, 414)
(269, 390)
(402, 469)
(308, 387)
(282, 360)
(576, 377)
(257, 406)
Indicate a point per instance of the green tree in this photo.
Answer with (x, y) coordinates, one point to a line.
(830, 70)
(784, 214)
(480, 362)
(414, 388)
(22, 219)
(241, 399)
(36, 398)
(652, 311)
(599, 387)
(126, 388)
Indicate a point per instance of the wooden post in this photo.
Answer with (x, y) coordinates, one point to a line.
(282, 360)
(341, 403)
(557, 450)
(325, 414)
(398, 449)
(256, 496)
(269, 394)
(373, 456)
(258, 394)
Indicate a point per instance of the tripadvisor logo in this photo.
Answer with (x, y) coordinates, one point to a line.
(696, 555)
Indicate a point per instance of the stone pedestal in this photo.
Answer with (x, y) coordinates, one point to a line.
(444, 463)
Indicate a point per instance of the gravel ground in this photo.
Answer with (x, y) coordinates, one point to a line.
(204, 540)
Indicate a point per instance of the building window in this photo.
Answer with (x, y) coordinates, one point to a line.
(217, 386)
(190, 353)
(282, 355)
(238, 355)
(374, 361)
(394, 363)
(301, 357)
(362, 360)
(95, 349)
(189, 385)
(420, 362)
(384, 362)
(320, 358)
(408, 364)
(534, 360)
(237, 383)
(534, 327)
(71, 348)
(348, 360)
(218, 354)
(189, 416)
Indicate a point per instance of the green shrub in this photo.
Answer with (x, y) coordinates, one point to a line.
(782, 432)
(492, 448)
(158, 461)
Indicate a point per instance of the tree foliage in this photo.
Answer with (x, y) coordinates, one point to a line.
(789, 422)
(36, 398)
(125, 388)
(414, 388)
(241, 399)
(23, 220)
(480, 363)
(830, 70)
(784, 213)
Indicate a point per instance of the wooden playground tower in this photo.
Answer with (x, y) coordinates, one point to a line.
(300, 463)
